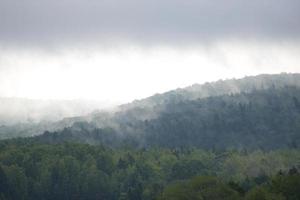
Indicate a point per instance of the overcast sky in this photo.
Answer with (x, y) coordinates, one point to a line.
(119, 50)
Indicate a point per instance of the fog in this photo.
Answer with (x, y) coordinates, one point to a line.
(121, 75)
(113, 52)
(19, 110)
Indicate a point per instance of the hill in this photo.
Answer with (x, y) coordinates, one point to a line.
(228, 144)
(262, 119)
(130, 119)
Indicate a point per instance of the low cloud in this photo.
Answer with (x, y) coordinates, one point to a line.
(129, 73)
(169, 22)
(120, 50)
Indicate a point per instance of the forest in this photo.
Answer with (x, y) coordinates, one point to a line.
(31, 170)
(236, 139)
(149, 99)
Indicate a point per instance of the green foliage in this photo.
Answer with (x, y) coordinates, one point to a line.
(262, 119)
(260, 193)
(4, 185)
(31, 170)
(287, 185)
(236, 139)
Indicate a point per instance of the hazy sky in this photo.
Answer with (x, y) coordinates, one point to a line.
(119, 50)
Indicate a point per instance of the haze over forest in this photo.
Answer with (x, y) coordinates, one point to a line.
(149, 100)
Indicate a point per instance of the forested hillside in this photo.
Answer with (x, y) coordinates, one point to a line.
(234, 140)
(152, 107)
(262, 119)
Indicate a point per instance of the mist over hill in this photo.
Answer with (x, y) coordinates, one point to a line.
(198, 100)
(253, 112)
(237, 139)
(20, 117)
(149, 107)
(29, 117)
(261, 119)
(22, 110)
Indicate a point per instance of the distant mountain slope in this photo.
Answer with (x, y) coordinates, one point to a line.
(221, 87)
(262, 119)
(152, 108)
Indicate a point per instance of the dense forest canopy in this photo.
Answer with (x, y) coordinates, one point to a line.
(78, 171)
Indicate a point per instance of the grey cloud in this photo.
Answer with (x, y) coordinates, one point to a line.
(58, 22)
